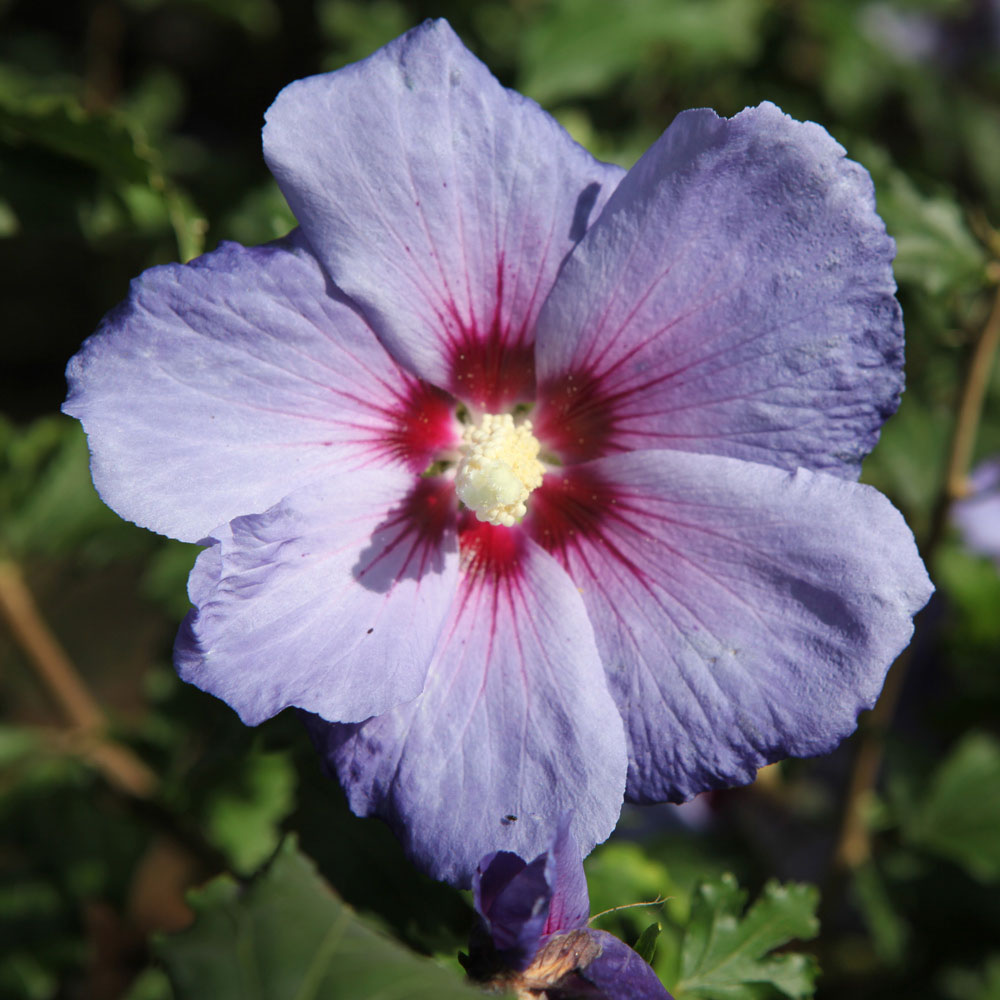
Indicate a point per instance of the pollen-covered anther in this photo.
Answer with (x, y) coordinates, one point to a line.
(499, 468)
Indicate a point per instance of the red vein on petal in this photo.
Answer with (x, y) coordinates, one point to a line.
(494, 368)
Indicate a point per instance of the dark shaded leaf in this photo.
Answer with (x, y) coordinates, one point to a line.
(960, 815)
(111, 146)
(888, 929)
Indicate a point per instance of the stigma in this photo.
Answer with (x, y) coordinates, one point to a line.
(499, 468)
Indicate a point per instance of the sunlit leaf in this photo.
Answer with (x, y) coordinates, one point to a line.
(47, 501)
(623, 872)
(579, 47)
(10, 224)
(262, 215)
(165, 579)
(726, 951)
(150, 984)
(287, 936)
(973, 587)
(244, 819)
(645, 946)
(934, 247)
(357, 29)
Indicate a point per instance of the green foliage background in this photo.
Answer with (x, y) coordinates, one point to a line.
(129, 136)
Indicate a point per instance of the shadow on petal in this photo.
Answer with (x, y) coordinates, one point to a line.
(409, 543)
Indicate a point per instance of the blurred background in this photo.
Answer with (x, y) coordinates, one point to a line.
(130, 136)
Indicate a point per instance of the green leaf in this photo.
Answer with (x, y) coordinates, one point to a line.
(243, 820)
(150, 984)
(165, 579)
(620, 871)
(257, 17)
(26, 977)
(888, 929)
(287, 936)
(974, 984)
(10, 224)
(973, 587)
(579, 47)
(359, 28)
(645, 947)
(935, 249)
(910, 459)
(47, 501)
(979, 126)
(960, 815)
(262, 215)
(19, 743)
(852, 74)
(101, 141)
(109, 144)
(725, 953)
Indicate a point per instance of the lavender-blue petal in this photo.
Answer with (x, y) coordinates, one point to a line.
(978, 515)
(513, 900)
(220, 386)
(734, 298)
(621, 974)
(520, 903)
(439, 201)
(332, 601)
(491, 876)
(743, 613)
(515, 726)
(570, 905)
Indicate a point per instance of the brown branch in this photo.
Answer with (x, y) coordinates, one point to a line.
(971, 407)
(101, 51)
(86, 737)
(853, 847)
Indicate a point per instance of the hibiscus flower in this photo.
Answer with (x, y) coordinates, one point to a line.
(534, 940)
(529, 478)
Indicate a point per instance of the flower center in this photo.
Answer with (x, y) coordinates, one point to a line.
(499, 468)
